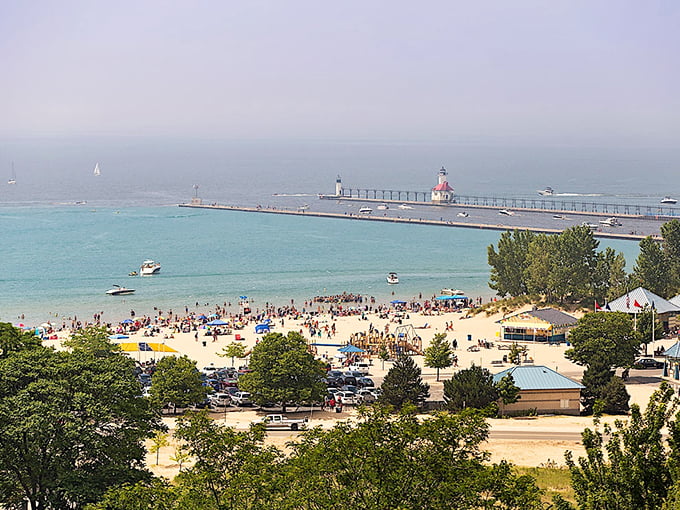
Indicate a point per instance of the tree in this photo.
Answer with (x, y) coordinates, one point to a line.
(471, 388)
(508, 265)
(403, 384)
(541, 260)
(575, 262)
(71, 426)
(645, 319)
(14, 340)
(508, 391)
(283, 371)
(438, 354)
(233, 350)
(629, 465)
(177, 381)
(94, 340)
(670, 232)
(609, 278)
(516, 353)
(158, 441)
(651, 269)
(384, 355)
(385, 461)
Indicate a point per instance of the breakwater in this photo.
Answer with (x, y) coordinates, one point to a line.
(405, 220)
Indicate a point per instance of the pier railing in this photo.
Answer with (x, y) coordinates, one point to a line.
(538, 203)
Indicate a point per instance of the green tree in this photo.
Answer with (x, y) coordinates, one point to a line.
(576, 261)
(94, 340)
(283, 371)
(71, 426)
(158, 441)
(609, 278)
(516, 353)
(403, 383)
(438, 354)
(233, 350)
(508, 391)
(384, 462)
(540, 269)
(384, 355)
(651, 269)
(670, 232)
(176, 381)
(645, 319)
(509, 263)
(155, 494)
(471, 388)
(14, 340)
(629, 465)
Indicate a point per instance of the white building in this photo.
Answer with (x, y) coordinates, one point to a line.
(442, 193)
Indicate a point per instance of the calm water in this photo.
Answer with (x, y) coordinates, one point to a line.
(58, 258)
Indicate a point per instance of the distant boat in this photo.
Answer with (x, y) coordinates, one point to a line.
(365, 210)
(462, 214)
(547, 192)
(96, 170)
(383, 207)
(611, 222)
(303, 207)
(506, 212)
(669, 200)
(591, 226)
(405, 206)
(13, 178)
(392, 278)
(117, 290)
(452, 292)
(559, 217)
(149, 267)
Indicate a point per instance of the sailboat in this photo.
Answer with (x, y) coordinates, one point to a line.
(13, 179)
(96, 169)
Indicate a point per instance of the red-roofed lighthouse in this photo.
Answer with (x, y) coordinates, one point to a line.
(442, 193)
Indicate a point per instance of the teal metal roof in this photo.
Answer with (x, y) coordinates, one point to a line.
(645, 299)
(673, 351)
(538, 378)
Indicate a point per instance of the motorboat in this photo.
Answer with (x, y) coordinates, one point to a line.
(365, 210)
(303, 207)
(559, 217)
(405, 206)
(506, 212)
(452, 292)
(591, 226)
(669, 200)
(117, 290)
(133, 273)
(392, 278)
(547, 192)
(611, 222)
(383, 207)
(149, 267)
(462, 214)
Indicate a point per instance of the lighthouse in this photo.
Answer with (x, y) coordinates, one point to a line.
(442, 193)
(338, 186)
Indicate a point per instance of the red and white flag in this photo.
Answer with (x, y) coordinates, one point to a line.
(636, 304)
(597, 307)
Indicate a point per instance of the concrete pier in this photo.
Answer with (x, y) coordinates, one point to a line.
(410, 221)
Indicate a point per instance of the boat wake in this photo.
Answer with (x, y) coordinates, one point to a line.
(579, 194)
(293, 194)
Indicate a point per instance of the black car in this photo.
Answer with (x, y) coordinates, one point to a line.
(365, 382)
(648, 363)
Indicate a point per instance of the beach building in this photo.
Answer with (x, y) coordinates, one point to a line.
(542, 390)
(544, 325)
(641, 299)
(442, 193)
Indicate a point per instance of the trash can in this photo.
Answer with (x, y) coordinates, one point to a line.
(204, 343)
(338, 409)
(469, 338)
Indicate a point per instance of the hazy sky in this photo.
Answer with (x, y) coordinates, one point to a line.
(445, 70)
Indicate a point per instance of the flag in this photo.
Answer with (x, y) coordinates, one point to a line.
(597, 307)
(606, 307)
(636, 304)
(627, 300)
(653, 307)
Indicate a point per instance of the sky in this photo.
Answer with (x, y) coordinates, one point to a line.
(572, 71)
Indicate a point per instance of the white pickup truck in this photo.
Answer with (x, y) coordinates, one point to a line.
(280, 422)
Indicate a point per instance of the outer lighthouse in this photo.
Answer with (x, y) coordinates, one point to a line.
(338, 186)
(442, 193)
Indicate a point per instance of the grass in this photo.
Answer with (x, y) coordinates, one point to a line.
(553, 480)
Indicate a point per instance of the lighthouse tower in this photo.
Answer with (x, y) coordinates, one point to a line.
(442, 193)
(338, 186)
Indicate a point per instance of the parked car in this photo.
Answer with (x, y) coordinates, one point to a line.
(365, 382)
(219, 399)
(362, 367)
(347, 397)
(648, 363)
(241, 398)
(348, 379)
(334, 382)
(334, 374)
(366, 396)
(354, 373)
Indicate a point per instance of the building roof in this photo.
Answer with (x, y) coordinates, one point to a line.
(675, 300)
(673, 351)
(444, 186)
(538, 378)
(644, 298)
(545, 316)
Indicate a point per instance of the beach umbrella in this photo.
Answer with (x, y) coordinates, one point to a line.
(218, 322)
(243, 297)
(262, 328)
(350, 348)
(202, 316)
(398, 302)
(127, 321)
(213, 316)
(118, 337)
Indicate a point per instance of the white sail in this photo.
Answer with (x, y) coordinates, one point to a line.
(96, 169)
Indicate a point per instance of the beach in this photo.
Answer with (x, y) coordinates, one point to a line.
(519, 441)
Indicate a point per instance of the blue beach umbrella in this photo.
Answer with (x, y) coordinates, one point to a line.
(127, 321)
(118, 337)
(202, 316)
(217, 322)
(350, 348)
(243, 297)
(398, 302)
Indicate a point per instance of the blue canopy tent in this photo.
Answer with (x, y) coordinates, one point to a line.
(127, 321)
(350, 348)
(262, 328)
(217, 322)
(456, 297)
(398, 302)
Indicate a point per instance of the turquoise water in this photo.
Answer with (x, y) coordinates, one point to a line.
(58, 261)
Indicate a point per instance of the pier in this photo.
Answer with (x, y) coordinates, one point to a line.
(411, 221)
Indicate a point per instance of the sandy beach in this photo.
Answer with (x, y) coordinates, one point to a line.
(525, 451)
